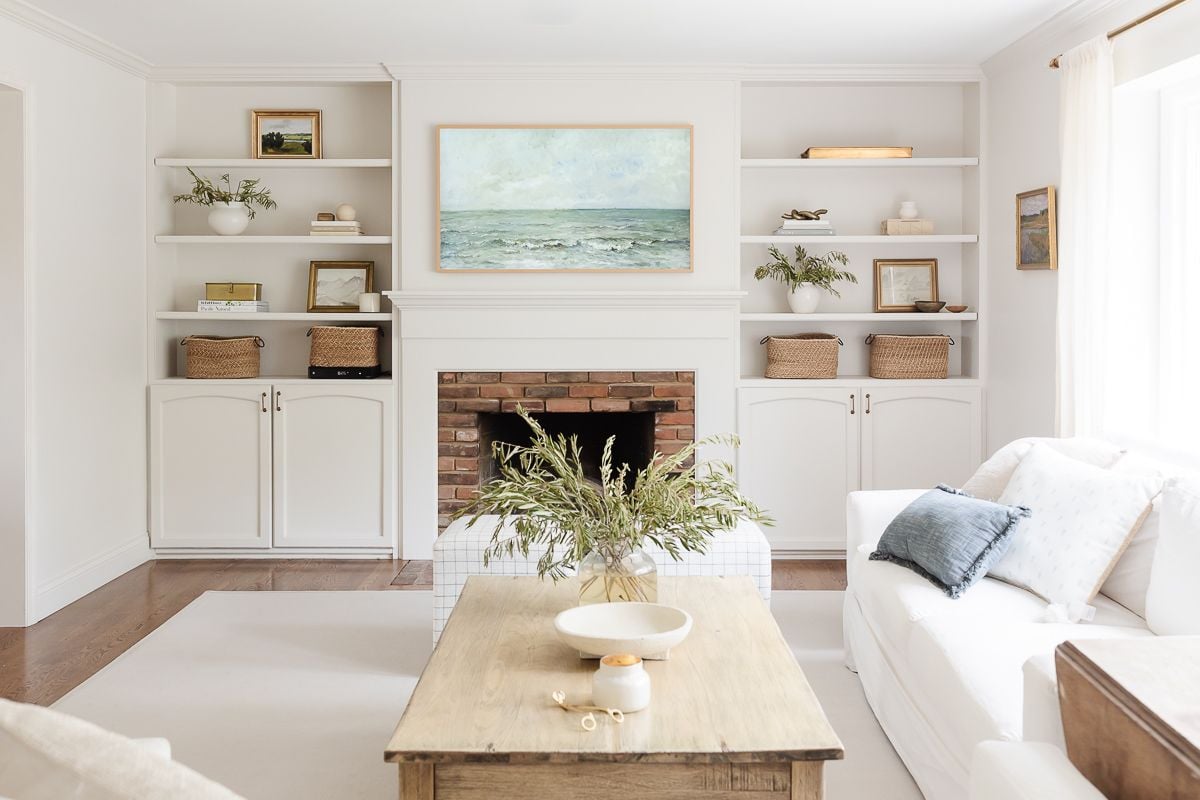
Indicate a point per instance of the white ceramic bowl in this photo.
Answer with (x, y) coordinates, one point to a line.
(641, 629)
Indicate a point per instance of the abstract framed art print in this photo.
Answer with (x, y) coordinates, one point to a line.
(603, 198)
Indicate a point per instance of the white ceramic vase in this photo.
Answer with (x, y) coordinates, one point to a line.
(621, 682)
(908, 210)
(804, 299)
(228, 219)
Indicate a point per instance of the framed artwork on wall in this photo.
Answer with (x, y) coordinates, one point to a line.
(1037, 230)
(598, 198)
(285, 134)
(336, 285)
(900, 283)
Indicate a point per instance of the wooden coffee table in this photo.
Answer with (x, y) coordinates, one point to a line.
(732, 716)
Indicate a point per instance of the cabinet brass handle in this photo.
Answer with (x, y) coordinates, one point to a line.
(868, 410)
(264, 402)
(278, 395)
(851, 404)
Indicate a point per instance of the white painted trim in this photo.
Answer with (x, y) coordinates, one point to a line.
(358, 553)
(59, 29)
(271, 73)
(90, 575)
(744, 72)
(498, 300)
(806, 555)
(808, 548)
(1043, 36)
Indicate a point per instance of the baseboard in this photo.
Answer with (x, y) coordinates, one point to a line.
(347, 554)
(89, 576)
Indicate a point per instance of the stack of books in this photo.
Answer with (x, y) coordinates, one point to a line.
(805, 227)
(336, 228)
(232, 306)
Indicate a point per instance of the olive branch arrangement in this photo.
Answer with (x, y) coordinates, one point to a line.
(675, 502)
(817, 270)
(206, 193)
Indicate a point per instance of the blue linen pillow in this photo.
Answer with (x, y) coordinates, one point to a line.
(949, 537)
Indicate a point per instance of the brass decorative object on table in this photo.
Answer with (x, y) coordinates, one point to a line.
(233, 291)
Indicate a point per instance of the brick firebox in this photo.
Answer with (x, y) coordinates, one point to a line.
(463, 396)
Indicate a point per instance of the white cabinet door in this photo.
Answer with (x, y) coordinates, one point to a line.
(333, 465)
(210, 465)
(918, 437)
(798, 460)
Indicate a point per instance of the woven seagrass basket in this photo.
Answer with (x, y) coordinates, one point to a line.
(909, 356)
(343, 346)
(222, 356)
(804, 355)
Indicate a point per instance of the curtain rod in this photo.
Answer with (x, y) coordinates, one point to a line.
(1128, 26)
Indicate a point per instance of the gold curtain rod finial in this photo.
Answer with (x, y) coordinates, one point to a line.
(1115, 32)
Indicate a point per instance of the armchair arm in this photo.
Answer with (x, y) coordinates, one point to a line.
(1026, 771)
(1042, 719)
(868, 514)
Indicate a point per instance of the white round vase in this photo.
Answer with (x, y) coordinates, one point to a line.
(804, 299)
(621, 682)
(908, 210)
(228, 219)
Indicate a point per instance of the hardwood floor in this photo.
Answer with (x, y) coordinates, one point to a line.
(41, 663)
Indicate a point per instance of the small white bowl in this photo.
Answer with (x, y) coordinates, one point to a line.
(641, 629)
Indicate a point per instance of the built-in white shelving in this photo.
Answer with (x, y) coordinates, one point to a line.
(864, 316)
(274, 316)
(759, 382)
(278, 380)
(856, 163)
(938, 238)
(275, 163)
(305, 239)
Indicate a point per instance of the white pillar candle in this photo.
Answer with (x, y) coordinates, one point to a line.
(368, 301)
(622, 683)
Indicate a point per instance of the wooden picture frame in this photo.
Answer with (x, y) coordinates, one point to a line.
(338, 293)
(1037, 229)
(900, 282)
(280, 133)
(652, 232)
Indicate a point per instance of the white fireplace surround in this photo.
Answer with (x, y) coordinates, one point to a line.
(544, 331)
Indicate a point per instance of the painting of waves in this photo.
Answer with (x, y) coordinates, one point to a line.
(570, 199)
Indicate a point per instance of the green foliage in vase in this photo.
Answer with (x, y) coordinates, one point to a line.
(675, 502)
(817, 270)
(206, 193)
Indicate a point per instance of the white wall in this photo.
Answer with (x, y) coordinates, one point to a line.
(87, 474)
(13, 601)
(1022, 135)
(709, 105)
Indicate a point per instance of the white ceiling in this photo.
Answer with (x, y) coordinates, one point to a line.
(179, 32)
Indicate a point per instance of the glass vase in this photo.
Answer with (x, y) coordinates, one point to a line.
(627, 576)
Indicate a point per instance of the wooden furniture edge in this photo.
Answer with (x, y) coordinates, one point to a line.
(464, 757)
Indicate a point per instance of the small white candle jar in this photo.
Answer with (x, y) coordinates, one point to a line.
(622, 683)
(368, 302)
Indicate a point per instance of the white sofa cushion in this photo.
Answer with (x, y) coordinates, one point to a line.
(1083, 517)
(1130, 576)
(1173, 597)
(1026, 771)
(48, 755)
(993, 475)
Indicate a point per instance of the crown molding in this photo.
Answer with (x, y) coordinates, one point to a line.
(271, 73)
(60, 30)
(1048, 36)
(767, 73)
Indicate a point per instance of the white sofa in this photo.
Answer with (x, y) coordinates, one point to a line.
(944, 675)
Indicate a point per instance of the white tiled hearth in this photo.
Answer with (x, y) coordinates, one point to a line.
(549, 331)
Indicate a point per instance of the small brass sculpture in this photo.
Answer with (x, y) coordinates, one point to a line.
(797, 214)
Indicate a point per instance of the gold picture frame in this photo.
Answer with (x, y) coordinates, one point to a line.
(552, 244)
(1037, 229)
(284, 133)
(340, 293)
(900, 282)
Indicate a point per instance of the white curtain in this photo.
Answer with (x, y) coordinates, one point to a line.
(1085, 271)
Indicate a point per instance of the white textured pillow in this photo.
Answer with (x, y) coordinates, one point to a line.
(1083, 517)
(1130, 576)
(1173, 598)
(993, 475)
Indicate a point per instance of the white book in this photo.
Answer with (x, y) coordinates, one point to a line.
(348, 223)
(232, 306)
(806, 223)
(804, 232)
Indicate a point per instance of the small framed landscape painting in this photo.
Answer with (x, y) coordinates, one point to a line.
(286, 134)
(1037, 230)
(900, 283)
(602, 198)
(336, 285)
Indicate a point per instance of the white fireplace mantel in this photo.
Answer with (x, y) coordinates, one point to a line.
(549, 299)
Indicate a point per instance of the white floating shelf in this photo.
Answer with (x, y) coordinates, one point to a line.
(758, 382)
(817, 163)
(227, 240)
(275, 163)
(276, 379)
(864, 316)
(940, 238)
(246, 318)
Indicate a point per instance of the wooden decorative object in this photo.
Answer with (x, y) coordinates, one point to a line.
(1129, 711)
(857, 152)
(760, 735)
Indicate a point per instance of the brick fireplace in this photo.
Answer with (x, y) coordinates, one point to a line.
(468, 404)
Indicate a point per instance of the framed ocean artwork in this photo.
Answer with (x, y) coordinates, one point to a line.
(601, 198)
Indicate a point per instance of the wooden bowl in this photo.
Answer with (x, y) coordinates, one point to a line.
(956, 309)
(930, 306)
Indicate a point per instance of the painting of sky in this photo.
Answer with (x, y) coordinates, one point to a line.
(565, 198)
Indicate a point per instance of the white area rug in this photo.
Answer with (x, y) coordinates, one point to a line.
(294, 694)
